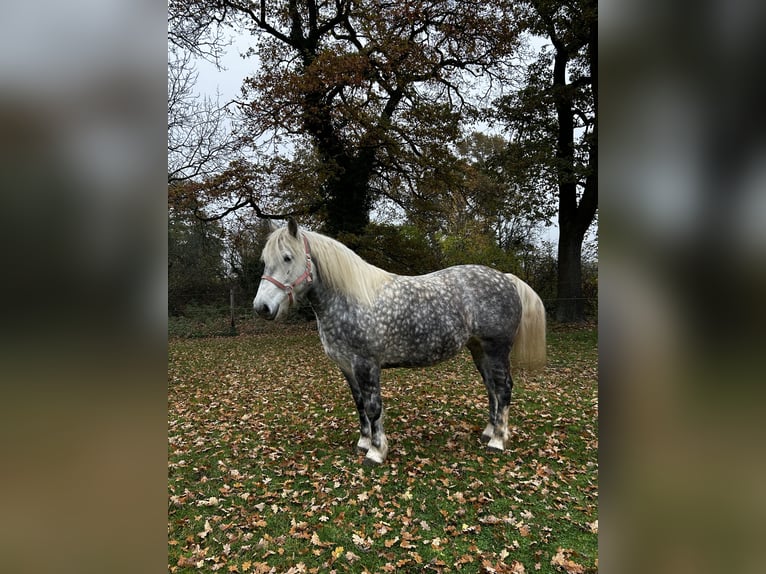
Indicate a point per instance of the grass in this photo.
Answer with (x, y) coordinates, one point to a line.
(263, 476)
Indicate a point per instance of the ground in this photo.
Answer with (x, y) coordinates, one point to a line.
(263, 475)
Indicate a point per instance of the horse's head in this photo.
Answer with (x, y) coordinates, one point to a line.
(287, 273)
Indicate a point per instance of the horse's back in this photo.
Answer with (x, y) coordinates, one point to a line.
(489, 299)
(425, 319)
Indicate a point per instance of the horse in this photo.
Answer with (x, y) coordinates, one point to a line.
(369, 319)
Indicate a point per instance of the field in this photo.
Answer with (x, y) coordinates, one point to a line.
(263, 475)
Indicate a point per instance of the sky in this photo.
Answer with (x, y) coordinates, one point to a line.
(228, 81)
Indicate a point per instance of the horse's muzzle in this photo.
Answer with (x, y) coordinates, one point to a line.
(263, 310)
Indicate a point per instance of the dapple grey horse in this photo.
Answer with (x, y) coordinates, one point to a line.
(370, 319)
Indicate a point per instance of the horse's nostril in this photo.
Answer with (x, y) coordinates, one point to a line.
(263, 310)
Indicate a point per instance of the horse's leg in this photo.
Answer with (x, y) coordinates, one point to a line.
(503, 388)
(501, 375)
(482, 365)
(495, 367)
(368, 376)
(363, 445)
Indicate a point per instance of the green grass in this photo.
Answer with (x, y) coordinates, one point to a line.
(263, 476)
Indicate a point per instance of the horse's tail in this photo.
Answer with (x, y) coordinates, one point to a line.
(529, 350)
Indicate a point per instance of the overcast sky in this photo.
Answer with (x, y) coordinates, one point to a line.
(227, 81)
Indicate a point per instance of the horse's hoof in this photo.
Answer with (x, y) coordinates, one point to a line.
(488, 433)
(496, 445)
(375, 456)
(363, 445)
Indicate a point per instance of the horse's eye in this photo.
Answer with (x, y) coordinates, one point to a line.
(288, 258)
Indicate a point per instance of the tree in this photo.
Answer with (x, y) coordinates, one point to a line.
(555, 123)
(363, 87)
(200, 141)
(403, 249)
(484, 211)
(245, 242)
(499, 189)
(195, 261)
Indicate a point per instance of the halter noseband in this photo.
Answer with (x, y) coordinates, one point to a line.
(306, 276)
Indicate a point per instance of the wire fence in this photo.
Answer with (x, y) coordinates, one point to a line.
(210, 315)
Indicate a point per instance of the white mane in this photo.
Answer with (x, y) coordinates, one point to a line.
(339, 268)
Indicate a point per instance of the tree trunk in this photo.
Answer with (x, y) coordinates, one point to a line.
(347, 193)
(570, 307)
(574, 218)
(569, 283)
(348, 197)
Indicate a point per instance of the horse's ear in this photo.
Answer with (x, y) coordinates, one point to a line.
(292, 227)
(272, 226)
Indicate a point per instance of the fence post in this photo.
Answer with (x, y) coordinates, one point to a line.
(231, 309)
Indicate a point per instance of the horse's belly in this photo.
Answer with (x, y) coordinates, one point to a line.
(419, 347)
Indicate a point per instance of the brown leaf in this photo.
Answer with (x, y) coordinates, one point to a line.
(390, 543)
(208, 529)
(185, 562)
(562, 562)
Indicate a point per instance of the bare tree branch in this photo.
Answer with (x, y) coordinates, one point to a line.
(200, 140)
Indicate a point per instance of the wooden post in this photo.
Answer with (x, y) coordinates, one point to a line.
(231, 308)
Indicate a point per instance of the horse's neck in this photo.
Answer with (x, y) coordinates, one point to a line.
(333, 308)
(323, 300)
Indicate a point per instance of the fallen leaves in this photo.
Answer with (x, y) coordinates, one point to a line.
(208, 529)
(562, 562)
(361, 542)
(263, 477)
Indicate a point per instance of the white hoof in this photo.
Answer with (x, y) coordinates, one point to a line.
(488, 433)
(496, 444)
(376, 455)
(363, 445)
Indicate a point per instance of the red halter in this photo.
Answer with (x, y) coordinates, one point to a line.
(306, 276)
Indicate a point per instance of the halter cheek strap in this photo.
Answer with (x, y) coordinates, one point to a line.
(305, 276)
